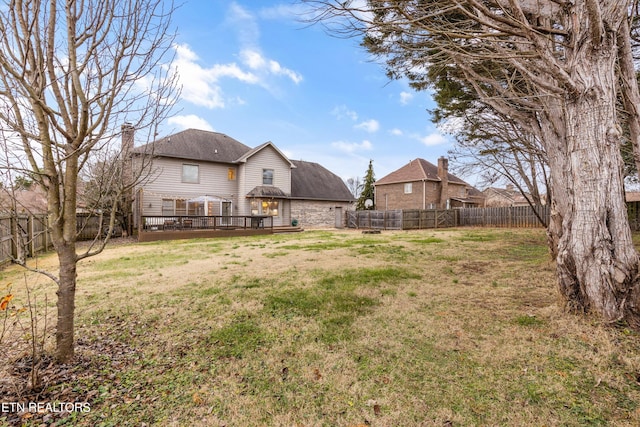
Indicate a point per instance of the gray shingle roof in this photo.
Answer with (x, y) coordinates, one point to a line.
(312, 181)
(193, 144)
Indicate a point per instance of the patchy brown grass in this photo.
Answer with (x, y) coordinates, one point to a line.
(440, 327)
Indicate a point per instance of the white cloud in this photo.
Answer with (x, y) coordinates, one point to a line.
(396, 132)
(352, 147)
(200, 85)
(282, 11)
(279, 70)
(257, 62)
(342, 112)
(190, 121)
(244, 24)
(370, 126)
(432, 139)
(405, 97)
(253, 59)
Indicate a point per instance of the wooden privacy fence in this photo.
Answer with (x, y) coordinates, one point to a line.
(30, 229)
(34, 236)
(413, 219)
(508, 216)
(386, 220)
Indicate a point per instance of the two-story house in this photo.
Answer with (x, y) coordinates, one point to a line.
(196, 172)
(423, 185)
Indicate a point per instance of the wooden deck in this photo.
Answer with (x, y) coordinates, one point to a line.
(154, 236)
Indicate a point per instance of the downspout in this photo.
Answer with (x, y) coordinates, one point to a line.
(424, 194)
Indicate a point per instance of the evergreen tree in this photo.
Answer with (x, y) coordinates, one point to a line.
(367, 189)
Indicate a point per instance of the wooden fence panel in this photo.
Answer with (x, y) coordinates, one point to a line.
(416, 219)
(385, 220)
(511, 216)
(5, 240)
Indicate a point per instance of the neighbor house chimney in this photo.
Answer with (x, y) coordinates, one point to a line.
(128, 132)
(443, 174)
(127, 142)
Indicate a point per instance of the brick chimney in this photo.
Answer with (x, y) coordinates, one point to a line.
(443, 174)
(127, 144)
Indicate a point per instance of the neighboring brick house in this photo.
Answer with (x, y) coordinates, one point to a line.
(423, 185)
(198, 172)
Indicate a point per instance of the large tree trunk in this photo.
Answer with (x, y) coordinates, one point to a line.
(597, 263)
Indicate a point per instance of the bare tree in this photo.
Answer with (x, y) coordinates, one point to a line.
(354, 184)
(553, 67)
(71, 72)
(498, 151)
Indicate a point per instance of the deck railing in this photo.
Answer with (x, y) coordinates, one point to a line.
(197, 222)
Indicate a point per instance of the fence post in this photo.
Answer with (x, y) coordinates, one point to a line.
(31, 236)
(13, 223)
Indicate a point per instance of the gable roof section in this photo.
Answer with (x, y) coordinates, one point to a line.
(245, 156)
(416, 170)
(312, 181)
(193, 144)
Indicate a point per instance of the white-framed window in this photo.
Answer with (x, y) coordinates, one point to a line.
(267, 176)
(190, 174)
(408, 188)
(180, 207)
(265, 207)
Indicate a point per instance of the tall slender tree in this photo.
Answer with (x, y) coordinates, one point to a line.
(71, 72)
(368, 190)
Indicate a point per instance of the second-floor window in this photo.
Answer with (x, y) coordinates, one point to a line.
(267, 176)
(190, 174)
(408, 188)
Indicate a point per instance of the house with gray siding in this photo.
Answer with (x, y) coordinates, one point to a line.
(196, 172)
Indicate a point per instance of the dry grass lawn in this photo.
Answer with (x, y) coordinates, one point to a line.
(456, 327)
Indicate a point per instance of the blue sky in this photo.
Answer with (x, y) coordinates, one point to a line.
(254, 71)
